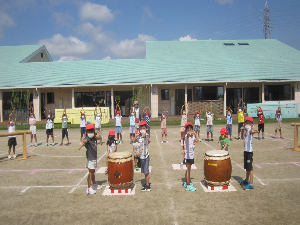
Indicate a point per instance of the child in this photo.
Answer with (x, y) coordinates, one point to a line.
(248, 152)
(261, 122)
(111, 146)
(32, 123)
(136, 151)
(12, 141)
(210, 129)
(118, 124)
(147, 115)
(278, 117)
(183, 121)
(163, 125)
(98, 119)
(64, 126)
(49, 126)
(137, 114)
(132, 126)
(223, 140)
(197, 124)
(90, 142)
(82, 125)
(188, 148)
(241, 121)
(142, 140)
(229, 123)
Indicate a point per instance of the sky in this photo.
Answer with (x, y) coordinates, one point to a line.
(118, 29)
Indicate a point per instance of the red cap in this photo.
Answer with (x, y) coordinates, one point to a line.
(143, 123)
(223, 131)
(82, 113)
(111, 132)
(196, 112)
(188, 123)
(118, 112)
(90, 127)
(249, 119)
(259, 109)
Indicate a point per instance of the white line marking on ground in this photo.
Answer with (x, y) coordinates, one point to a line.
(73, 189)
(23, 191)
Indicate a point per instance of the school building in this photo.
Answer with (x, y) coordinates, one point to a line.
(208, 72)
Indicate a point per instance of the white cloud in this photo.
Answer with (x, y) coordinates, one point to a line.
(69, 58)
(62, 19)
(5, 21)
(107, 58)
(187, 38)
(222, 2)
(62, 46)
(99, 13)
(135, 48)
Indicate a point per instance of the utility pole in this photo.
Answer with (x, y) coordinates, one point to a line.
(267, 28)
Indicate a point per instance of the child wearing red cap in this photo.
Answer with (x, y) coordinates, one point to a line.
(188, 148)
(118, 124)
(136, 152)
(90, 142)
(223, 140)
(82, 125)
(261, 122)
(111, 146)
(248, 152)
(197, 124)
(163, 126)
(278, 117)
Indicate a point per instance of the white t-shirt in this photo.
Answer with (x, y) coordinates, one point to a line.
(98, 120)
(49, 124)
(248, 141)
(189, 146)
(209, 119)
(183, 120)
(137, 112)
(11, 129)
(197, 121)
(82, 122)
(118, 121)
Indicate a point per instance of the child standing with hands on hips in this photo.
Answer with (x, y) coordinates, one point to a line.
(90, 142)
(188, 148)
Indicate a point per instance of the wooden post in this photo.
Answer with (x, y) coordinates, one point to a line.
(295, 137)
(24, 147)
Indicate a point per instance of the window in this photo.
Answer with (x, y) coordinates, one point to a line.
(208, 93)
(89, 99)
(243, 43)
(228, 44)
(50, 97)
(277, 92)
(42, 55)
(164, 94)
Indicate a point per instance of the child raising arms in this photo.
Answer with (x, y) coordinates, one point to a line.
(163, 125)
(49, 126)
(111, 146)
(32, 123)
(98, 120)
(12, 141)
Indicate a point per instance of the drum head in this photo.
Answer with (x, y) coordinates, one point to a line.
(217, 153)
(120, 155)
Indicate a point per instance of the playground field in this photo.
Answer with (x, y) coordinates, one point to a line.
(50, 188)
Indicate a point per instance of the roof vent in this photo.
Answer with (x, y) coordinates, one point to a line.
(243, 43)
(228, 44)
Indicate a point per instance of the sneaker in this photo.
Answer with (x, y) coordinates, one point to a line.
(106, 171)
(53, 144)
(239, 138)
(121, 142)
(258, 138)
(14, 156)
(181, 165)
(9, 156)
(137, 168)
(190, 188)
(281, 137)
(249, 186)
(166, 141)
(68, 144)
(101, 143)
(90, 191)
(199, 140)
(162, 142)
(146, 188)
(30, 145)
(61, 144)
(46, 144)
(184, 184)
(212, 139)
(244, 182)
(131, 142)
(35, 145)
(263, 137)
(96, 186)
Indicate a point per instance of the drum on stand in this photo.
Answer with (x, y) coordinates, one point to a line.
(120, 170)
(217, 167)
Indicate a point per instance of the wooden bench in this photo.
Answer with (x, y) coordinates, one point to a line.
(24, 141)
(296, 125)
(74, 115)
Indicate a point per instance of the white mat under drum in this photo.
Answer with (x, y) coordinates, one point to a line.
(102, 170)
(177, 167)
(230, 188)
(107, 192)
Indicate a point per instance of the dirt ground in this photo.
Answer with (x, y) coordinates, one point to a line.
(50, 188)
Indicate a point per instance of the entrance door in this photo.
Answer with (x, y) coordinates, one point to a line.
(233, 96)
(43, 106)
(179, 100)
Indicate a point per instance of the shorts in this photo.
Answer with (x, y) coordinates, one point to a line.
(240, 126)
(49, 131)
(119, 129)
(98, 131)
(131, 130)
(82, 130)
(190, 161)
(261, 127)
(210, 128)
(91, 164)
(33, 129)
(197, 128)
(278, 126)
(248, 160)
(229, 129)
(148, 132)
(182, 129)
(64, 133)
(145, 165)
(163, 130)
(12, 142)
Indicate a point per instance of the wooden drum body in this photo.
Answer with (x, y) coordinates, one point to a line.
(120, 170)
(217, 167)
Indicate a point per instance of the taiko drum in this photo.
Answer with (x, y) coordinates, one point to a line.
(120, 170)
(217, 167)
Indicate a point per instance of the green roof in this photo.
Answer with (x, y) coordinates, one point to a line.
(166, 61)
